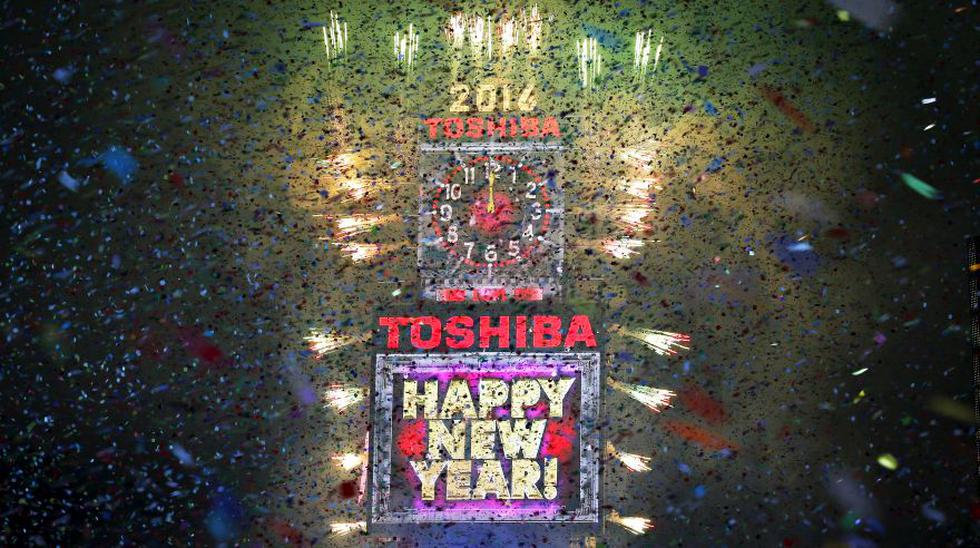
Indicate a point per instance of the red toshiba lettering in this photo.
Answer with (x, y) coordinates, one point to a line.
(502, 332)
(501, 129)
(547, 331)
(580, 330)
(529, 126)
(433, 124)
(474, 127)
(460, 327)
(435, 332)
(453, 127)
(550, 127)
(520, 331)
(393, 323)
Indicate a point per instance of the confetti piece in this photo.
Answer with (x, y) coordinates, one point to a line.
(921, 187)
(887, 460)
(698, 435)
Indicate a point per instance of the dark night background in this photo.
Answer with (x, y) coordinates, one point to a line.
(168, 245)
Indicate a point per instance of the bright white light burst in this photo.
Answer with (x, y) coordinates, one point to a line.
(344, 529)
(622, 248)
(349, 461)
(325, 342)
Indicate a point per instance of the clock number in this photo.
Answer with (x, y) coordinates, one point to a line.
(469, 175)
(462, 92)
(513, 249)
(455, 191)
(537, 211)
(531, 189)
(445, 212)
(528, 232)
(491, 254)
(452, 235)
(469, 248)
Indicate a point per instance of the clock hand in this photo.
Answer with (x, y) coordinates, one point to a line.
(492, 177)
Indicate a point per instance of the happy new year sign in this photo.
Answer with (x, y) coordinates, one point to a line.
(485, 437)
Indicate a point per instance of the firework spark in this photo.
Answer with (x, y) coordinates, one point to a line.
(589, 61)
(632, 217)
(359, 224)
(654, 398)
(348, 461)
(641, 52)
(636, 463)
(522, 31)
(640, 188)
(341, 396)
(622, 248)
(360, 253)
(641, 155)
(664, 343)
(334, 37)
(344, 529)
(636, 525)
(325, 342)
(407, 46)
(656, 56)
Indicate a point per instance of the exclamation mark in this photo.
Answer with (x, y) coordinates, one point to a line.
(550, 478)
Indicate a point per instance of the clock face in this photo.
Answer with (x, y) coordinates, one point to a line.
(491, 221)
(491, 212)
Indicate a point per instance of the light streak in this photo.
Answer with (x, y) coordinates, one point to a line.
(344, 529)
(656, 57)
(334, 36)
(641, 52)
(664, 343)
(634, 524)
(589, 61)
(341, 396)
(636, 463)
(406, 46)
(323, 342)
(362, 486)
(656, 399)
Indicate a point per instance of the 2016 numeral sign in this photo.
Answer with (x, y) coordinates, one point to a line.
(486, 96)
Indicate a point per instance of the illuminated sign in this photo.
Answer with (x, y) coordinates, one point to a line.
(485, 437)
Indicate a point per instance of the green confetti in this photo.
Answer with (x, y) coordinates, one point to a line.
(923, 188)
(887, 460)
